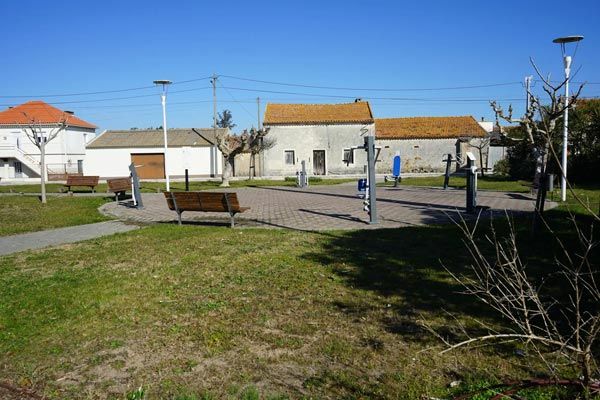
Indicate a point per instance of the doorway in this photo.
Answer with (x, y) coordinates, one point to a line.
(319, 162)
(149, 165)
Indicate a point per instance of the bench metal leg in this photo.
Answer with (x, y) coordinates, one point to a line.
(179, 217)
(232, 220)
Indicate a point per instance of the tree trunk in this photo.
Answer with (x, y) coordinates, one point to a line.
(227, 171)
(43, 170)
(481, 162)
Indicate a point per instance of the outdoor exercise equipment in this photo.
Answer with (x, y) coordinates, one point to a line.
(301, 176)
(135, 187)
(471, 170)
(396, 166)
(448, 162)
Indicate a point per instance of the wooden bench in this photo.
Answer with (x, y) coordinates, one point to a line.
(80, 180)
(119, 186)
(206, 202)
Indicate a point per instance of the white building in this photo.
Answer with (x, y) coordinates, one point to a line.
(322, 135)
(422, 142)
(20, 158)
(110, 153)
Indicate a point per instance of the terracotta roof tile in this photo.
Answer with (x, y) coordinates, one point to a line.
(427, 128)
(42, 113)
(317, 114)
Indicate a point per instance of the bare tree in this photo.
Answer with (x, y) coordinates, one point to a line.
(539, 123)
(259, 146)
(481, 144)
(40, 138)
(231, 145)
(558, 324)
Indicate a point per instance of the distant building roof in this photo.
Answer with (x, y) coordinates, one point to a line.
(358, 112)
(427, 128)
(196, 137)
(41, 113)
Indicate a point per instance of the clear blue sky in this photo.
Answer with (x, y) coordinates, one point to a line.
(63, 47)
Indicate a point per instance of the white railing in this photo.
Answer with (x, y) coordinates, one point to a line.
(11, 150)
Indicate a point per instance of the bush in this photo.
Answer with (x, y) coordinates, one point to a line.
(502, 168)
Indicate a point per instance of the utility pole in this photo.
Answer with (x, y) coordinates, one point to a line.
(527, 92)
(258, 112)
(214, 150)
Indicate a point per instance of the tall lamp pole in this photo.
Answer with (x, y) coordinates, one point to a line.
(567, 63)
(163, 100)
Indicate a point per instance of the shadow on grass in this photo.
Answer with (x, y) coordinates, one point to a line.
(407, 267)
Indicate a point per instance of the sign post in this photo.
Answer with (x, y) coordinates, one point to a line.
(448, 162)
(372, 198)
(135, 182)
(471, 183)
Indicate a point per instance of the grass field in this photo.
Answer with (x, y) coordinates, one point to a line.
(153, 187)
(458, 182)
(198, 312)
(20, 214)
(202, 312)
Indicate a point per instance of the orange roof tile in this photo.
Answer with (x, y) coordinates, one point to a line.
(427, 128)
(316, 114)
(42, 113)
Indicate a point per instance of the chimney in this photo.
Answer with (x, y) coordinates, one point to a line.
(482, 119)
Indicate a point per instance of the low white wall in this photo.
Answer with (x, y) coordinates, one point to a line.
(115, 162)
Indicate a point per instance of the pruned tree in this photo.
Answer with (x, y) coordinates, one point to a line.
(265, 143)
(40, 137)
(539, 123)
(481, 144)
(225, 120)
(231, 145)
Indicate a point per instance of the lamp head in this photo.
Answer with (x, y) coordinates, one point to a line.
(567, 39)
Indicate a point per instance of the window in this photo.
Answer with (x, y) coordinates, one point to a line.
(290, 157)
(348, 156)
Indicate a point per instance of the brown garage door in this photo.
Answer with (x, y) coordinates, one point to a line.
(149, 166)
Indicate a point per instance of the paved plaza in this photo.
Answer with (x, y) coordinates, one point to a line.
(330, 207)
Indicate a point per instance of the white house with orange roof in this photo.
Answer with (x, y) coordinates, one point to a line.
(322, 135)
(20, 158)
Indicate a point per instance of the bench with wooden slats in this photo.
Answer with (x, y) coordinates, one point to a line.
(205, 202)
(80, 180)
(119, 186)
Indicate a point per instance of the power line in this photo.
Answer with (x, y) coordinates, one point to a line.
(233, 98)
(99, 92)
(373, 89)
(369, 97)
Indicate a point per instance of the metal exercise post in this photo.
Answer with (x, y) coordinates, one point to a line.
(370, 148)
(302, 180)
(471, 184)
(448, 162)
(135, 182)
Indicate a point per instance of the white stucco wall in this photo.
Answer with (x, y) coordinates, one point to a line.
(67, 147)
(114, 162)
(417, 155)
(303, 139)
(422, 155)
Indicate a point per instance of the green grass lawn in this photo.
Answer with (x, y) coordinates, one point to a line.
(201, 312)
(152, 187)
(486, 183)
(20, 214)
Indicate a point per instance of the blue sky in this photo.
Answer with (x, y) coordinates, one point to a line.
(68, 47)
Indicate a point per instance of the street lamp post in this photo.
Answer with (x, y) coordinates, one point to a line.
(163, 98)
(567, 63)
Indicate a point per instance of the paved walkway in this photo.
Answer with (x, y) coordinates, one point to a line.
(55, 237)
(330, 207)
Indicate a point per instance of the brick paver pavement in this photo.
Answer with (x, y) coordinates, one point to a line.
(331, 207)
